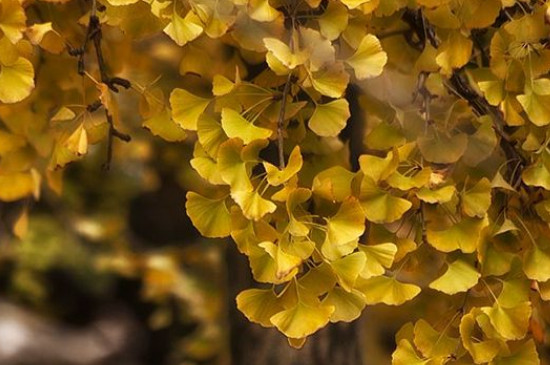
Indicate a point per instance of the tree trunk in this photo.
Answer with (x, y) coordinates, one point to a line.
(251, 344)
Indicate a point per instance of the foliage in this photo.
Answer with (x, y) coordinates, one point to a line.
(450, 195)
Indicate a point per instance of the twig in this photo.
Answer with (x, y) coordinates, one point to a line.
(281, 122)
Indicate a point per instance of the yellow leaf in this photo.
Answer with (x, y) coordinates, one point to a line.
(459, 277)
(333, 21)
(15, 186)
(535, 101)
(477, 200)
(16, 80)
(379, 258)
(77, 142)
(346, 226)
(526, 354)
(329, 119)
(378, 168)
(187, 108)
(510, 323)
(283, 54)
(405, 354)
(348, 305)
(348, 268)
(442, 148)
(222, 85)
(253, 205)
(211, 135)
(387, 290)
(234, 125)
(302, 320)
(369, 59)
(482, 351)
(46, 37)
(331, 81)
(380, 206)
(210, 216)
(183, 30)
(276, 177)
(259, 305)
(433, 343)
(333, 184)
(454, 52)
(63, 114)
(441, 195)
(261, 11)
(536, 263)
(464, 236)
(162, 125)
(12, 20)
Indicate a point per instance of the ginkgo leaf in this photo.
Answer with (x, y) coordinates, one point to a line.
(286, 263)
(259, 305)
(276, 177)
(526, 354)
(261, 11)
(331, 80)
(16, 80)
(329, 119)
(295, 226)
(282, 52)
(348, 268)
(442, 148)
(162, 125)
(77, 142)
(253, 205)
(510, 323)
(459, 277)
(234, 168)
(187, 108)
(63, 114)
(333, 21)
(378, 168)
(263, 264)
(234, 125)
(387, 290)
(221, 85)
(12, 20)
(348, 305)
(477, 200)
(346, 226)
(480, 144)
(454, 52)
(333, 184)
(405, 354)
(379, 258)
(302, 320)
(535, 102)
(17, 185)
(464, 235)
(536, 263)
(405, 183)
(211, 135)
(537, 175)
(183, 30)
(432, 343)
(45, 36)
(440, 195)
(482, 351)
(210, 216)
(369, 59)
(380, 206)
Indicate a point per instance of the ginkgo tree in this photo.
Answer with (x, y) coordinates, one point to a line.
(446, 196)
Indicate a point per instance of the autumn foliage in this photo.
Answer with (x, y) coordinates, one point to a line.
(448, 196)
